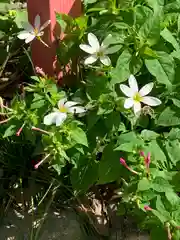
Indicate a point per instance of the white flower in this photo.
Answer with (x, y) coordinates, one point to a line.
(136, 96)
(59, 115)
(31, 32)
(98, 51)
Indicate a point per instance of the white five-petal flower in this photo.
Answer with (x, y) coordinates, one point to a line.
(136, 96)
(59, 115)
(98, 51)
(31, 32)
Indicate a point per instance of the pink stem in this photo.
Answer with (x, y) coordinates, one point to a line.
(39, 163)
(40, 130)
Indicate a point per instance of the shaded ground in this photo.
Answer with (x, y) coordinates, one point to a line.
(61, 225)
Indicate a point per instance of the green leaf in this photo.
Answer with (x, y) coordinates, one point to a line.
(172, 6)
(21, 16)
(96, 85)
(178, 23)
(176, 54)
(122, 71)
(10, 131)
(176, 216)
(161, 209)
(167, 35)
(155, 4)
(144, 184)
(169, 117)
(176, 234)
(149, 194)
(79, 136)
(149, 52)
(157, 232)
(160, 206)
(84, 175)
(127, 137)
(150, 30)
(148, 135)
(160, 216)
(57, 168)
(60, 20)
(89, 1)
(173, 150)
(4, 7)
(141, 14)
(174, 134)
(109, 170)
(157, 155)
(126, 147)
(37, 104)
(159, 184)
(162, 68)
(173, 198)
(176, 102)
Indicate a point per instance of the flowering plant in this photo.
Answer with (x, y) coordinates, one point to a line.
(105, 130)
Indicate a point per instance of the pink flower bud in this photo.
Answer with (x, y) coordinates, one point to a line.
(147, 208)
(123, 162)
(36, 166)
(40, 71)
(142, 154)
(20, 130)
(147, 160)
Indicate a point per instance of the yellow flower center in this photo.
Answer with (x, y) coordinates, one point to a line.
(36, 31)
(137, 97)
(63, 109)
(100, 54)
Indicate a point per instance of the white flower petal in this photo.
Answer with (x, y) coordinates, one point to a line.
(77, 110)
(60, 118)
(27, 26)
(151, 101)
(133, 83)
(70, 104)
(61, 102)
(128, 103)
(40, 34)
(112, 50)
(105, 60)
(23, 35)
(45, 25)
(137, 108)
(93, 41)
(91, 59)
(37, 22)
(87, 48)
(30, 38)
(50, 118)
(126, 90)
(146, 89)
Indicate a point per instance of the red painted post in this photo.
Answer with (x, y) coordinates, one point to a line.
(43, 56)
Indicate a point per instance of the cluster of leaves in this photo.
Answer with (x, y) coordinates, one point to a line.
(11, 59)
(148, 33)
